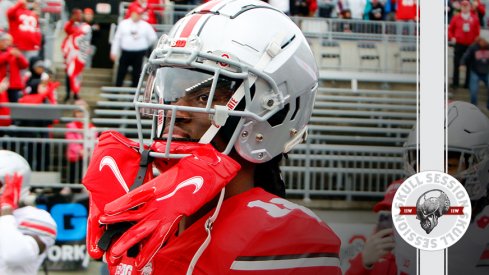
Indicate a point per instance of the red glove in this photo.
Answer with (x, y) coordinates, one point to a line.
(94, 231)
(111, 172)
(11, 193)
(157, 206)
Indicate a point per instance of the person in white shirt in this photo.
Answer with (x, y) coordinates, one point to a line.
(133, 38)
(282, 5)
(27, 232)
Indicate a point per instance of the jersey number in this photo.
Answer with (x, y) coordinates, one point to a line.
(28, 23)
(278, 207)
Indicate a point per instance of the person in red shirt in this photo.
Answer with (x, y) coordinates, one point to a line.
(148, 8)
(72, 28)
(376, 256)
(463, 30)
(406, 10)
(12, 61)
(303, 7)
(231, 94)
(25, 29)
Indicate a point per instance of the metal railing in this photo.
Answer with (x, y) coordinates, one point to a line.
(346, 170)
(45, 148)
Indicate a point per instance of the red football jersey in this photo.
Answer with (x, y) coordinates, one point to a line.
(24, 28)
(255, 233)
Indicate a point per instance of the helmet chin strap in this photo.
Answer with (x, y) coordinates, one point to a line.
(222, 112)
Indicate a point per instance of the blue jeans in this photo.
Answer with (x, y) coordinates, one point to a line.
(474, 86)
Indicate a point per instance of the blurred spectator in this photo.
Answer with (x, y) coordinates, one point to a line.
(346, 14)
(406, 10)
(37, 66)
(282, 5)
(76, 51)
(148, 13)
(476, 60)
(357, 7)
(376, 256)
(25, 29)
(39, 87)
(343, 26)
(132, 39)
(11, 63)
(376, 12)
(390, 10)
(327, 8)
(74, 24)
(4, 6)
(158, 9)
(40, 91)
(88, 18)
(74, 152)
(71, 27)
(464, 28)
(4, 82)
(341, 6)
(453, 8)
(303, 7)
(479, 9)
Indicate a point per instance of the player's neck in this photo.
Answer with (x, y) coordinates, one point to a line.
(239, 184)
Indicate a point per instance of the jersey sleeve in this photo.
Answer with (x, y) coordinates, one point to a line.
(15, 247)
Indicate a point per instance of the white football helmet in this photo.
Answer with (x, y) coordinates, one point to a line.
(468, 134)
(247, 48)
(10, 163)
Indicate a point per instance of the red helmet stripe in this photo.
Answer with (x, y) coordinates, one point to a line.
(38, 227)
(187, 30)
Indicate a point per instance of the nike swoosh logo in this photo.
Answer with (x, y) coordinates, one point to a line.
(110, 162)
(195, 181)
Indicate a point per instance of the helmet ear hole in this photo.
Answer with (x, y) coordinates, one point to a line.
(279, 117)
(297, 104)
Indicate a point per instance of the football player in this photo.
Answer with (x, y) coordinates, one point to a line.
(230, 90)
(26, 232)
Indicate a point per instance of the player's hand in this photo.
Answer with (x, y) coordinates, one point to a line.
(111, 172)
(157, 206)
(377, 246)
(15, 52)
(11, 193)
